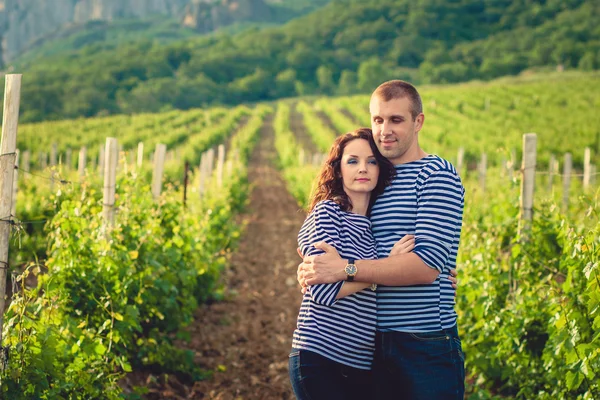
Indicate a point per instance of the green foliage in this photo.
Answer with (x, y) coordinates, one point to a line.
(113, 298)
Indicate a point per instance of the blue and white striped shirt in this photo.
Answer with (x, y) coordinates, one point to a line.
(426, 199)
(342, 330)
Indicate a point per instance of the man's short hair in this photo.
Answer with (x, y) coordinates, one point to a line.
(397, 89)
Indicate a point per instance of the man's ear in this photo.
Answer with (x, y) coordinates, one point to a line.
(419, 121)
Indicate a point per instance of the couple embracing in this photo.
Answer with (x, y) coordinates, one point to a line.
(377, 319)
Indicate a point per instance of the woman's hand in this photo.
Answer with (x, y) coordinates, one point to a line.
(404, 245)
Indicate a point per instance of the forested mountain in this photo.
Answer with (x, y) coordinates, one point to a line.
(347, 46)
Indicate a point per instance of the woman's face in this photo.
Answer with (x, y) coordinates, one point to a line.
(359, 167)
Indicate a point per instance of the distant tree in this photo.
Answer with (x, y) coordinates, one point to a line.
(347, 83)
(325, 80)
(589, 61)
(371, 73)
(285, 84)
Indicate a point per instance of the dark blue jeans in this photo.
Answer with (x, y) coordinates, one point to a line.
(419, 366)
(315, 377)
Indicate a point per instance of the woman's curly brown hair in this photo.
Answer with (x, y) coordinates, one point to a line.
(330, 185)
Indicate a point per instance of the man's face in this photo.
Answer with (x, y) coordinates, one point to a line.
(394, 130)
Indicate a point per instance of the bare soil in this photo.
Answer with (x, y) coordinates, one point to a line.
(246, 339)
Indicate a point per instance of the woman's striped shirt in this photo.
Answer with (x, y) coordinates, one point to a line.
(426, 199)
(342, 330)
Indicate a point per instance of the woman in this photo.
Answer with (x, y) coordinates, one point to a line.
(334, 343)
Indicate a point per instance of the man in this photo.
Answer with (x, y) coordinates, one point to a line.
(418, 350)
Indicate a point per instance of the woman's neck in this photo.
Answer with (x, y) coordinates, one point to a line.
(360, 202)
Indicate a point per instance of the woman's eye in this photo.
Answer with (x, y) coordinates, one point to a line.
(351, 161)
(373, 162)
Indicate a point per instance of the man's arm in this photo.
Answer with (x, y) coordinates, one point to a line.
(398, 270)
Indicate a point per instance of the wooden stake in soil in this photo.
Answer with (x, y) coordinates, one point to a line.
(185, 182)
(110, 181)
(587, 156)
(551, 172)
(202, 174)
(567, 180)
(210, 162)
(68, 156)
(140, 155)
(15, 185)
(220, 164)
(82, 159)
(460, 158)
(528, 181)
(159, 166)
(482, 171)
(8, 147)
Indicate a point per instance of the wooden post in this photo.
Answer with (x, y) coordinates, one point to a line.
(220, 164)
(8, 147)
(15, 185)
(82, 160)
(528, 181)
(110, 180)
(482, 171)
(202, 174)
(53, 157)
(210, 162)
(551, 172)
(159, 165)
(592, 175)
(567, 179)
(587, 156)
(43, 160)
(53, 154)
(460, 159)
(68, 157)
(185, 182)
(503, 166)
(140, 155)
(301, 157)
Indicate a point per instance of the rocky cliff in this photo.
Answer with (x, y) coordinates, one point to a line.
(206, 16)
(22, 22)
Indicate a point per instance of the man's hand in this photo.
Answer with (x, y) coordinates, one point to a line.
(324, 268)
(453, 279)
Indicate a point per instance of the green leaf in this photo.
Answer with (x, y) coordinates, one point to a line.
(100, 349)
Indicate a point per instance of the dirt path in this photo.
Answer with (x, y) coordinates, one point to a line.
(299, 130)
(248, 338)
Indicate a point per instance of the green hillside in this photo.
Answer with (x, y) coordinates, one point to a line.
(349, 46)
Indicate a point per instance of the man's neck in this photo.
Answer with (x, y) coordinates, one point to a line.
(407, 157)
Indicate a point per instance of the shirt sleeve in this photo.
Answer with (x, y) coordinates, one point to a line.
(322, 224)
(440, 203)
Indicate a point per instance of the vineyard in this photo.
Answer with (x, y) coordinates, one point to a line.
(191, 291)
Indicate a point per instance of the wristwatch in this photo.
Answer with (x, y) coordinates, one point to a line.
(350, 270)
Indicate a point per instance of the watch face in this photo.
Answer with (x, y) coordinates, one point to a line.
(350, 269)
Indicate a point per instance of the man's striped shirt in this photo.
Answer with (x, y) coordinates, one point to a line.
(342, 330)
(426, 199)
